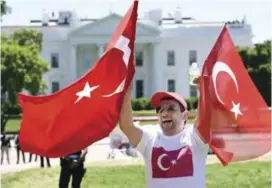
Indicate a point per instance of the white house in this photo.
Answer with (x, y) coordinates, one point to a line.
(165, 47)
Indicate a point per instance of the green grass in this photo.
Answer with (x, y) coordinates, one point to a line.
(190, 121)
(149, 122)
(240, 175)
(153, 113)
(13, 125)
(237, 175)
(144, 113)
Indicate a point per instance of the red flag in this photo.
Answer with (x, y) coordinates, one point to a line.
(87, 110)
(233, 117)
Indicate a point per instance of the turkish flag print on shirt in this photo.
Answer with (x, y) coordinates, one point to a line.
(172, 164)
(86, 111)
(233, 117)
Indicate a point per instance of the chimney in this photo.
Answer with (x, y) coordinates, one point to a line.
(155, 15)
(74, 19)
(45, 18)
(177, 15)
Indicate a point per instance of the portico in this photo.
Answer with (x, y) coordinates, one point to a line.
(87, 45)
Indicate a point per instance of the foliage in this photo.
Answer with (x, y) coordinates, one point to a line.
(141, 104)
(5, 9)
(22, 68)
(28, 37)
(192, 103)
(144, 104)
(257, 60)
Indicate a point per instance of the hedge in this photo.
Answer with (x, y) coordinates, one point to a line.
(144, 104)
(14, 110)
(141, 104)
(137, 105)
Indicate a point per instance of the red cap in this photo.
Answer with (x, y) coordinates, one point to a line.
(156, 99)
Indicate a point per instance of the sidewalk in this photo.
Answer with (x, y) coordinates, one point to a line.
(99, 159)
(97, 153)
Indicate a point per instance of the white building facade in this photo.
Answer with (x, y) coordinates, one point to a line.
(164, 48)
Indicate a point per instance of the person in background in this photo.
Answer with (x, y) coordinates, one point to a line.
(5, 146)
(72, 165)
(18, 149)
(47, 161)
(30, 157)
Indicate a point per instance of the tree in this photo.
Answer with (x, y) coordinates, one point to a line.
(22, 68)
(27, 37)
(258, 63)
(5, 9)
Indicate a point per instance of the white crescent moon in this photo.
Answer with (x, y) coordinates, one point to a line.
(122, 44)
(222, 67)
(159, 162)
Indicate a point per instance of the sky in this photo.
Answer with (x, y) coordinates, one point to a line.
(258, 12)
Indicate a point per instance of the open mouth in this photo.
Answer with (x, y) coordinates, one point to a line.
(167, 122)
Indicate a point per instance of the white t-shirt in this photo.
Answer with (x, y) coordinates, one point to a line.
(177, 161)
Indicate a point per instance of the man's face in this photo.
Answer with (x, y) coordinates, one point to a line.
(171, 117)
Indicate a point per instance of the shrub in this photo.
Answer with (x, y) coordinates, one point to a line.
(141, 104)
(14, 110)
(144, 104)
(136, 105)
(192, 103)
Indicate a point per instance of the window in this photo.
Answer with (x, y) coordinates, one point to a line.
(139, 88)
(193, 91)
(139, 58)
(192, 56)
(87, 61)
(171, 58)
(55, 87)
(171, 86)
(54, 60)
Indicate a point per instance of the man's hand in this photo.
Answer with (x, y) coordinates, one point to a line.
(197, 81)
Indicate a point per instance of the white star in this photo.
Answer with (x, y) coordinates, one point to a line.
(236, 109)
(86, 92)
(173, 162)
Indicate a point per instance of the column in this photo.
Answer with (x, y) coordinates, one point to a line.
(100, 50)
(157, 80)
(73, 59)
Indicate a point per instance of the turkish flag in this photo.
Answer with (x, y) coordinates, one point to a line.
(233, 117)
(172, 164)
(87, 110)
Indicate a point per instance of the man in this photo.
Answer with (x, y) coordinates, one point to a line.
(5, 145)
(175, 156)
(72, 165)
(18, 149)
(47, 161)
(30, 157)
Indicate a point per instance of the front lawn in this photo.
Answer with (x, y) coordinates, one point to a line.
(237, 175)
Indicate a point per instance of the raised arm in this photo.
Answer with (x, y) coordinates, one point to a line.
(197, 82)
(126, 124)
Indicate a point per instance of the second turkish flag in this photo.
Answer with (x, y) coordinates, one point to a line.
(233, 117)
